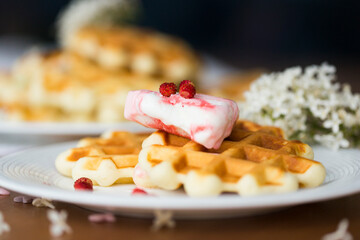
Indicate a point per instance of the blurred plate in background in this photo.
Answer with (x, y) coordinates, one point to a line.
(67, 129)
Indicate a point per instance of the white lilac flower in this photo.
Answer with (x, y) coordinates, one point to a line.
(333, 122)
(347, 118)
(332, 141)
(307, 104)
(357, 116)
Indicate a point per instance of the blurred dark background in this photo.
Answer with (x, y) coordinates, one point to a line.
(250, 33)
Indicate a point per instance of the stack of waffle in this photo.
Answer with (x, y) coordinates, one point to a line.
(253, 160)
(88, 80)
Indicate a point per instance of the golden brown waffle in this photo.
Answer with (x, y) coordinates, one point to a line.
(139, 50)
(106, 160)
(235, 85)
(252, 160)
(62, 86)
(24, 112)
(90, 78)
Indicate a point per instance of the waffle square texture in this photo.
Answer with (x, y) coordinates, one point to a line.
(253, 160)
(106, 160)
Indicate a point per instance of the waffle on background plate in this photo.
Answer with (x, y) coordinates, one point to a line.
(139, 50)
(253, 160)
(234, 85)
(86, 82)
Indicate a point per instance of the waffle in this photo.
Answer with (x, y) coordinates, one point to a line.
(106, 160)
(234, 86)
(63, 86)
(140, 50)
(252, 160)
(89, 79)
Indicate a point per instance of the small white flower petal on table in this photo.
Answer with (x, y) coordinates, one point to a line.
(341, 232)
(4, 192)
(163, 218)
(102, 218)
(4, 227)
(42, 202)
(58, 225)
(23, 199)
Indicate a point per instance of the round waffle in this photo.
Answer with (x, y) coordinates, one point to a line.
(106, 160)
(252, 160)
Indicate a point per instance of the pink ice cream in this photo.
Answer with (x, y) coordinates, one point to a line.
(204, 119)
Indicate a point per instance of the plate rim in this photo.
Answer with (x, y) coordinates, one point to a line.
(223, 202)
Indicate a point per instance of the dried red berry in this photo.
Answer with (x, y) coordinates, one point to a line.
(166, 89)
(186, 82)
(83, 184)
(138, 191)
(187, 91)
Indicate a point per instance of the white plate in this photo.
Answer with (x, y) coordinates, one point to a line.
(63, 129)
(32, 172)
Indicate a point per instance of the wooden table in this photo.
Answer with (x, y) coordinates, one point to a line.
(309, 221)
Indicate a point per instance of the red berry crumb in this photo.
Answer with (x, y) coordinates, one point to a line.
(83, 184)
(183, 82)
(166, 89)
(138, 191)
(187, 90)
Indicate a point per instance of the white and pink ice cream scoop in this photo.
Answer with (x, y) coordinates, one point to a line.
(204, 119)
